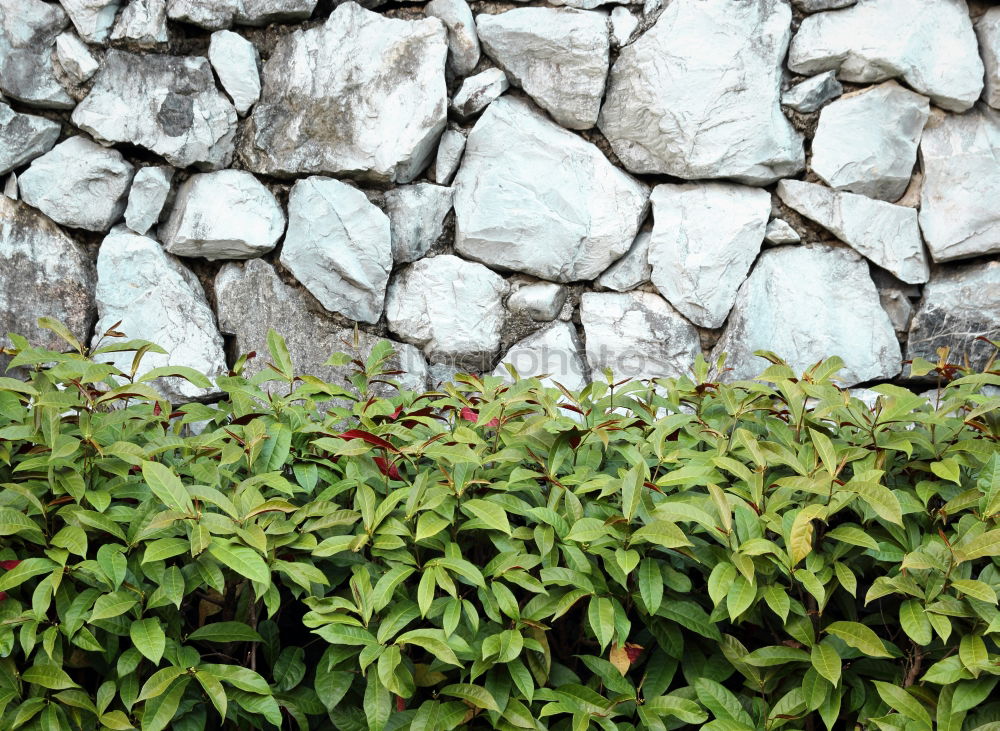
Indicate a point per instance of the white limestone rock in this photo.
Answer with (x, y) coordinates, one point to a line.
(264, 12)
(807, 303)
(10, 187)
(78, 183)
(867, 142)
(142, 23)
(416, 218)
(559, 56)
(575, 212)
(463, 40)
(809, 95)
(155, 298)
(815, 6)
(960, 160)
(636, 335)
(235, 60)
(213, 15)
(150, 188)
(541, 301)
(780, 232)
(75, 58)
(988, 32)
(452, 309)
(895, 297)
(339, 247)
(680, 105)
(93, 18)
(28, 31)
(23, 137)
(478, 91)
(930, 44)
(361, 95)
(449, 155)
(623, 25)
(632, 269)
(228, 214)
(167, 104)
(705, 238)
(553, 353)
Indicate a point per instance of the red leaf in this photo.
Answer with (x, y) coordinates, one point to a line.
(8, 565)
(400, 703)
(470, 415)
(387, 468)
(3, 596)
(397, 412)
(633, 651)
(368, 437)
(156, 409)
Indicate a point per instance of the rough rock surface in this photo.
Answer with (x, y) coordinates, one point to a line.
(577, 213)
(23, 137)
(554, 351)
(263, 12)
(721, 117)
(809, 95)
(988, 32)
(960, 159)
(142, 22)
(219, 14)
(541, 301)
(814, 6)
(150, 188)
(623, 25)
(227, 214)
(808, 303)
(75, 58)
(930, 44)
(632, 269)
(362, 94)
(157, 299)
(450, 308)
(235, 60)
(885, 233)
(167, 104)
(416, 218)
(78, 183)
(338, 246)
(779, 232)
(478, 91)
(28, 30)
(867, 142)
(449, 155)
(636, 335)
(705, 237)
(959, 305)
(463, 41)
(559, 56)
(209, 15)
(93, 18)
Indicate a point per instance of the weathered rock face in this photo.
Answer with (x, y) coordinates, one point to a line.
(28, 30)
(808, 303)
(478, 91)
(632, 269)
(960, 158)
(959, 305)
(931, 46)
(554, 352)
(449, 155)
(814, 6)
(142, 22)
(235, 60)
(623, 25)
(463, 41)
(705, 237)
(416, 218)
(867, 142)
(559, 56)
(452, 309)
(167, 104)
(156, 299)
(23, 137)
(219, 14)
(209, 15)
(150, 188)
(92, 18)
(988, 32)
(361, 95)
(338, 246)
(227, 214)
(78, 183)
(814, 92)
(541, 301)
(75, 58)
(721, 117)
(779, 232)
(577, 213)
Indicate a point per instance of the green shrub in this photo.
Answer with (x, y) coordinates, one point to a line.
(768, 554)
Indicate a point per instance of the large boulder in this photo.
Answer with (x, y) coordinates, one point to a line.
(360, 95)
(553, 352)
(28, 31)
(807, 303)
(575, 211)
(167, 104)
(681, 105)
(23, 137)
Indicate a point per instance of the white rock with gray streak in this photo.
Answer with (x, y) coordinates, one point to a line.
(553, 352)
(235, 60)
(338, 246)
(78, 183)
(885, 233)
(150, 188)
(705, 237)
(449, 155)
(808, 303)
(463, 41)
(632, 269)
(559, 56)
(167, 104)
(28, 31)
(75, 58)
(541, 301)
(930, 44)
(960, 159)
(227, 214)
(23, 137)
(680, 105)
(867, 142)
(815, 6)
(416, 218)
(988, 32)
(93, 18)
(143, 23)
(575, 212)
(779, 232)
(623, 25)
(478, 91)
(809, 95)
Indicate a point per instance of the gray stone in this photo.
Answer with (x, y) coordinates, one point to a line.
(930, 44)
(809, 95)
(75, 58)
(93, 18)
(867, 142)
(213, 15)
(450, 308)
(779, 232)
(227, 214)
(960, 303)
(552, 353)
(264, 12)
(705, 238)
(807, 303)
(463, 41)
(23, 137)
(416, 218)
(636, 335)
(142, 23)
(623, 25)
(632, 269)
(338, 246)
(235, 60)
(449, 155)
(478, 91)
(78, 183)
(960, 160)
(885, 233)
(338, 99)
(154, 297)
(894, 297)
(576, 212)
(559, 56)
(167, 104)
(150, 188)
(815, 6)
(680, 105)
(988, 32)
(28, 30)
(541, 301)
(10, 187)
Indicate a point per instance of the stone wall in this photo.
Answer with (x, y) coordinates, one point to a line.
(570, 187)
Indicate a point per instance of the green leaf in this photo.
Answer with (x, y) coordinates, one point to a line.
(899, 700)
(601, 615)
(740, 597)
(242, 678)
(214, 690)
(474, 695)
(801, 535)
(160, 711)
(947, 469)
(826, 661)
(158, 682)
(650, 584)
(429, 524)
(721, 701)
(913, 619)
(673, 705)
(976, 589)
(489, 512)
(973, 654)
(48, 676)
(280, 357)
(880, 499)
(149, 639)
(987, 544)
(853, 536)
(167, 487)
(766, 657)
(860, 637)
(244, 561)
(226, 632)
(587, 530)
(114, 604)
